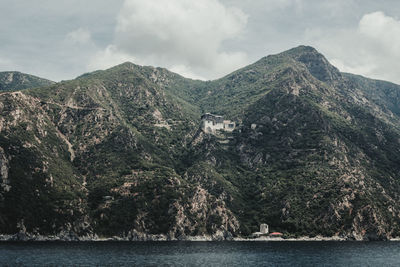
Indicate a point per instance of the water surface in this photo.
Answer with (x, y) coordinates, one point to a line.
(200, 253)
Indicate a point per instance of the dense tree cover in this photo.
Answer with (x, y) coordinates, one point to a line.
(316, 152)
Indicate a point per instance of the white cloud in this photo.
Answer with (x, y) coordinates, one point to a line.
(370, 49)
(185, 71)
(364, 69)
(205, 38)
(108, 58)
(179, 34)
(383, 30)
(79, 36)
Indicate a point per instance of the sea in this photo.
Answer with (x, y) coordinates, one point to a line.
(297, 253)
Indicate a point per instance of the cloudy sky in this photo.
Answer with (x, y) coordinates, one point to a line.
(203, 39)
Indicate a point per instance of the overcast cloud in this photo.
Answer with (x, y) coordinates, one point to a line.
(200, 39)
(185, 36)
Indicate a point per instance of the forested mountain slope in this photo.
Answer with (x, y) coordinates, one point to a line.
(14, 80)
(120, 152)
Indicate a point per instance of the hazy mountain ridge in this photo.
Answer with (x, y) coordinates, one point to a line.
(14, 80)
(118, 152)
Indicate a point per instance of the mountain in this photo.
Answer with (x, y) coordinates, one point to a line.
(121, 152)
(14, 81)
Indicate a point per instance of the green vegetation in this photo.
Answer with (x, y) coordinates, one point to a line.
(119, 152)
(14, 81)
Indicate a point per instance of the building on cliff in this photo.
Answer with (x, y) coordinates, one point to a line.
(212, 123)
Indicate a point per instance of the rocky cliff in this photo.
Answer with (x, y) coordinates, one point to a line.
(119, 153)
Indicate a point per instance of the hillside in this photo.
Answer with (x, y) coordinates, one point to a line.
(14, 81)
(120, 153)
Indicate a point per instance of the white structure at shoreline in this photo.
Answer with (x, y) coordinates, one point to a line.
(264, 230)
(212, 123)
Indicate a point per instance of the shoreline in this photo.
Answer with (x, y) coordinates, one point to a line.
(162, 238)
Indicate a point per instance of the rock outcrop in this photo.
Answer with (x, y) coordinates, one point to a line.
(118, 154)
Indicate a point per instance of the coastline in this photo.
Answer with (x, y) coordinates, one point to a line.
(303, 238)
(163, 238)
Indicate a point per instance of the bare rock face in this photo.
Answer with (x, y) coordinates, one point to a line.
(119, 154)
(204, 215)
(9, 78)
(4, 169)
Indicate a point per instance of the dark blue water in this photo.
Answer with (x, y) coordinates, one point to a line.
(200, 253)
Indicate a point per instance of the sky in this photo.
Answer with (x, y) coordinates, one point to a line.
(202, 39)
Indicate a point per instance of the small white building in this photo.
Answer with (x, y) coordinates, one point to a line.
(212, 123)
(264, 230)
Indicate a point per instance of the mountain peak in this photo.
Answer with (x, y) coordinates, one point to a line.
(301, 49)
(15, 80)
(315, 62)
(125, 65)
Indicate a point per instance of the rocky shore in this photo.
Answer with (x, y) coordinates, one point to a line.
(131, 236)
(303, 238)
(135, 236)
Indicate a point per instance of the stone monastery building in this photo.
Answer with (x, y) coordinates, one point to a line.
(212, 123)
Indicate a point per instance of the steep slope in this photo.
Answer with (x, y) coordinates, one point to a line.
(384, 95)
(117, 137)
(14, 81)
(40, 188)
(119, 153)
(323, 151)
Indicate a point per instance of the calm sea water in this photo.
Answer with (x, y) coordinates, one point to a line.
(200, 254)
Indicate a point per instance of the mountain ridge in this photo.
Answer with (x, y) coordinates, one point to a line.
(119, 153)
(15, 80)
